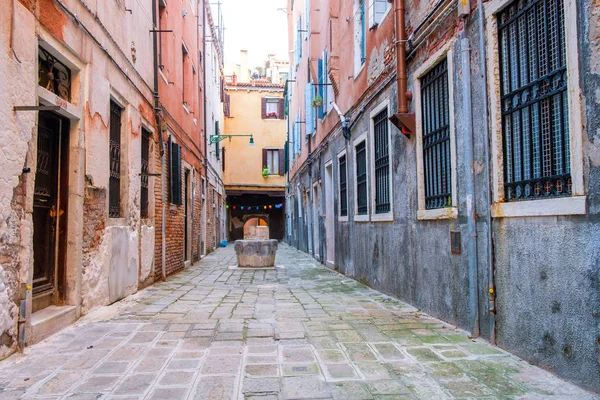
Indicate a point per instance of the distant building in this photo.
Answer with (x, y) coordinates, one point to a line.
(255, 162)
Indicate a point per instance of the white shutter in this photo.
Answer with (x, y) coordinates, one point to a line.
(309, 119)
(371, 12)
(381, 6)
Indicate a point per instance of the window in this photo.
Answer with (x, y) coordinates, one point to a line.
(534, 103)
(114, 184)
(273, 160)
(298, 43)
(185, 74)
(310, 123)
(272, 108)
(175, 172)
(54, 75)
(362, 198)
(381, 153)
(343, 186)
(227, 105)
(144, 173)
(437, 165)
(377, 10)
(360, 45)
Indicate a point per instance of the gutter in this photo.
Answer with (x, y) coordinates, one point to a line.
(157, 109)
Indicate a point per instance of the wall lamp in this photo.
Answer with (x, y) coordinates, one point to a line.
(218, 138)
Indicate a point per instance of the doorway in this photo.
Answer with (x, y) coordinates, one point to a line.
(329, 216)
(186, 215)
(316, 225)
(50, 211)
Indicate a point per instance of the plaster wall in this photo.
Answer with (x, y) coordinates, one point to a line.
(243, 164)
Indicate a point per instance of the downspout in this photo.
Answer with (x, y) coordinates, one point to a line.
(403, 120)
(160, 138)
(343, 120)
(470, 184)
(486, 155)
(206, 152)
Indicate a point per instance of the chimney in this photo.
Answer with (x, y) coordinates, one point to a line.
(244, 72)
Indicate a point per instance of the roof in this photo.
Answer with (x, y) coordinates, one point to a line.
(255, 83)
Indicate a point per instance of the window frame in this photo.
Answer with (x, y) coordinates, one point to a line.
(361, 217)
(342, 218)
(447, 212)
(388, 216)
(275, 151)
(122, 168)
(571, 205)
(360, 36)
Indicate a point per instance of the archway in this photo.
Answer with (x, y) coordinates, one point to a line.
(256, 228)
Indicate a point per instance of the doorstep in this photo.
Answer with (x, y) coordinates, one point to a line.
(50, 320)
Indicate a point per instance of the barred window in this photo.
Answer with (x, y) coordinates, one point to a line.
(361, 179)
(534, 107)
(114, 184)
(144, 173)
(343, 187)
(437, 165)
(382, 163)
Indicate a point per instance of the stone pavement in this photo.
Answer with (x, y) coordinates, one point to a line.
(297, 332)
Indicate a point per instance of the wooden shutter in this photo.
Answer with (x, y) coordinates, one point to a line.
(286, 157)
(264, 160)
(281, 162)
(263, 108)
(223, 159)
(175, 173)
(308, 109)
(281, 109)
(320, 112)
(227, 106)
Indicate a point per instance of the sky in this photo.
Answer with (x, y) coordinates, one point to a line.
(256, 26)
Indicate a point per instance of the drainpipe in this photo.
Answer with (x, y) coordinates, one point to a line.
(160, 138)
(206, 152)
(470, 184)
(486, 150)
(403, 120)
(345, 127)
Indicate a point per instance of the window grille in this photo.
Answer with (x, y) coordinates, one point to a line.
(114, 185)
(343, 187)
(175, 172)
(361, 179)
(534, 106)
(382, 163)
(437, 164)
(144, 173)
(54, 75)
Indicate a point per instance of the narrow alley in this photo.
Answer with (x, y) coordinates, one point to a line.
(299, 331)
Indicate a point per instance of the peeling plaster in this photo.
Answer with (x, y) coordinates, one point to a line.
(8, 314)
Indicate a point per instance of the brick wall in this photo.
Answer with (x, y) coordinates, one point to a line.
(158, 217)
(197, 223)
(210, 219)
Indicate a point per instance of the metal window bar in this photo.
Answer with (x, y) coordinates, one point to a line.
(54, 75)
(114, 186)
(343, 187)
(144, 174)
(382, 163)
(534, 100)
(436, 137)
(361, 179)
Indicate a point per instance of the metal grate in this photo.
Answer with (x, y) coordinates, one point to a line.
(437, 164)
(534, 100)
(53, 75)
(114, 187)
(362, 207)
(343, 187)
(382, 163)
(144, 174)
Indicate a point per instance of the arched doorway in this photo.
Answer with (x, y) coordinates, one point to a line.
(256, 228)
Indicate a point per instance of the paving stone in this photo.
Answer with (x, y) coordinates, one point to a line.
(296, 354)
(340, 371)
(388, 351)
(349, 391)
(373, 370)
(359, 352)
(262, 370)
(304, 387)
(176, 378)
(97, 383)
(187, 364)
(423, 354)
(135, 384)
(261, 359)
(168, 393)
(300, 369)
(215, 388)
(331, 356)
(222, 365)
(59, 383)
(387, 387)
(252, 386)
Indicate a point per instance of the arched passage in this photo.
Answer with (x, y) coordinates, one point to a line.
(256, 228)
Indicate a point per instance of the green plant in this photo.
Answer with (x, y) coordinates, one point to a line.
(317, 101)
(265, 171)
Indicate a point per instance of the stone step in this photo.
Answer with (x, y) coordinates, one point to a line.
(50, 320)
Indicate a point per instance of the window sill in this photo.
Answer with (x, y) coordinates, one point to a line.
(343, 219)
(362, 67)
(437, 214)
(185, 108)
(162, 75)
(361, 218)
(575, 205)
(387, 217)
(119, 221)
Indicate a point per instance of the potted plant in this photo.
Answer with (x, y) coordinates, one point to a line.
(265, 172)
(317, 101)
(272, 114)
